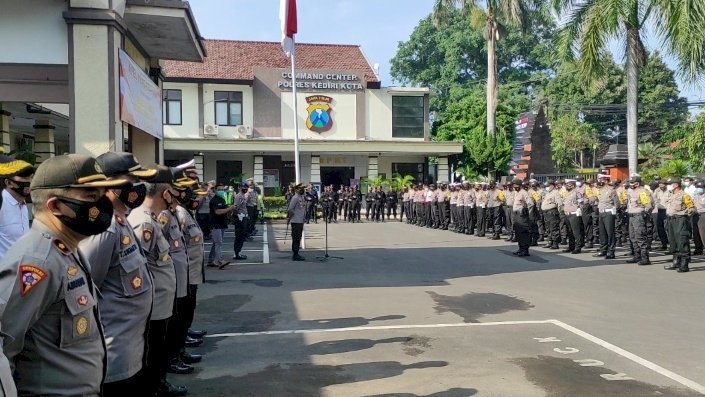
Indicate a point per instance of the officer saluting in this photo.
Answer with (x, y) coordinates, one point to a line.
(119, 270)
(56, 343)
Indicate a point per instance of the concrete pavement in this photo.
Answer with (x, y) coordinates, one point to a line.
(421, 312)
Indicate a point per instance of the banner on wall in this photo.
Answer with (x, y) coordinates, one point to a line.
(140, 98)
(271, 178)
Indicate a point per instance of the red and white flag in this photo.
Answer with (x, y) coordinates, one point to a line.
(287, 17)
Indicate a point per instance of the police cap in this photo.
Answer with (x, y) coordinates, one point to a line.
(674, 180)
(10, 167)
(72, 171)
(517, 181)
(164, 174)
(115, 164)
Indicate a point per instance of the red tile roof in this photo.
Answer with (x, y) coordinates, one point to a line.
(236, 60)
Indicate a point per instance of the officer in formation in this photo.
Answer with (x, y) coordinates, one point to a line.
(311, 198)
(329, 201)
(94, 288)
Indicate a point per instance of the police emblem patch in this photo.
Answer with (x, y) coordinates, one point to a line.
(163, 219)
(93, 213)
(137, 282)
(319, 110)
(132, 197)
(176, 244)
(72, 271)
(147, 235)
(197, 239)
(30, 276)
(126, 240)
(81, 325)
(82, 300)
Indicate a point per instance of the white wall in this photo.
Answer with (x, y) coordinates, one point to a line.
(343, 115)
(189, 111)
(379, 114)
(33, 31)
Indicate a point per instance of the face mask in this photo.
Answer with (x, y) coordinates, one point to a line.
(670, 188)
(220, 194)
(549, 188)
(517, 188)
(91, 217)
(185, 196)
(600, 184)
(686, 183)
(578, 184)
(134, 195)
(194, 205)
(21, 186)
(699, 190)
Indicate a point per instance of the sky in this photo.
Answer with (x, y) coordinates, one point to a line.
(376, 25)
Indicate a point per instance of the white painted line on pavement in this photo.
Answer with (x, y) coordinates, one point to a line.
(251, 250)
(265, 245)
(375, 328)
(633, 357)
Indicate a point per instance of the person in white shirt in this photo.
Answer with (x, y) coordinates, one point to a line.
(14, 216)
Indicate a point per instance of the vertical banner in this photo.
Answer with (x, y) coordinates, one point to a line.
(140, 98)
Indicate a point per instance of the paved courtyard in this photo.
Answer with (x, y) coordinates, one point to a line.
(421, 312)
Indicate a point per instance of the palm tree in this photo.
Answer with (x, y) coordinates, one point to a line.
(494, 16)
(468, 172)
(592, 24)
(651, 154)
(399, 182)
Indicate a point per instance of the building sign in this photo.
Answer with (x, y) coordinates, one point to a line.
(321, 81)
(319, 110)
(140, 98)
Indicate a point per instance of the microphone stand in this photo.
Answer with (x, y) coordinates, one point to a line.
(326, 257)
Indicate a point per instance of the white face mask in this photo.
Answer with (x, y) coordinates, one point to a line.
(578, 184)
(699, 190)
(686, 183)
(549, 188)
(670, 188)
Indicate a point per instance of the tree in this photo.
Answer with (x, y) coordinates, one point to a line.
(569, 137)
(495, 17)
(592, 24)
(399, 182)
(693, 143)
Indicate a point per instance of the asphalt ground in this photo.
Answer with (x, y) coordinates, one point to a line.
(419, 312)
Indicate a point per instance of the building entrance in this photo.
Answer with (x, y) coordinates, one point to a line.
(337, 176)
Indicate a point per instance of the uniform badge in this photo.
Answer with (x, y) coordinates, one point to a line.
(82, 300)
(119, 219)
(163, 219)
(61, 246)
(165, 258)
(81, 325)
(126, 240)
(132, 197)
(147, 235)
(29, 277)
(72, 271)
(136, 282)
(93, 213)
(197, 239)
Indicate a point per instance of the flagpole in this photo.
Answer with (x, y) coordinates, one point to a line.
(296, 111)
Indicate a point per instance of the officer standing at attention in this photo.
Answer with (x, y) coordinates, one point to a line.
(639, 206)
(680, 206)
(495, 201)
(55, 342)
(699, 199)
(520, 217)
(119, 270)
(481, 198)
(297, 213)
(369, 203)
(571, 206)
(509, 195)
(14, 215)
(156, 248)
(660, 195)
(549, 207)
(607, 204)
(240, 221)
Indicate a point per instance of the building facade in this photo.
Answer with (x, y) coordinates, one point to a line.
(235, 113)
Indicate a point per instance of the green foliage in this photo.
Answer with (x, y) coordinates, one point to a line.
(651, 155)
(399, 182)
(275, 214)
(376, 182)
(570, 136)
(273, 202)
(279, 191)
(468, 172)
(693, 143)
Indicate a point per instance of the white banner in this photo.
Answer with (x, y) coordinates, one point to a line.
(140, 98)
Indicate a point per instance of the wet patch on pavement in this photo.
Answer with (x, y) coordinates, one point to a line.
(472, 306)
(561, 377)
(415, 345)
(349, 345)
(454, 392)
(218, 315)
(264, 282)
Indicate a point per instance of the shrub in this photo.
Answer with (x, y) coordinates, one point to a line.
(274, 203)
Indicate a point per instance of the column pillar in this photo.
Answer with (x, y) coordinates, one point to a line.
(198, 163)
(5, 130)
(44, 140)
(372, 167)
(94, 31)
(443, 174)
(258, 173)
(315, 169)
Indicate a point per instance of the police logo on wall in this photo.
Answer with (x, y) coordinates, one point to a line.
(319, 113)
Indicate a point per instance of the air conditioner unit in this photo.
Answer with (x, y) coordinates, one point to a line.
(210, 130)
(245, 130)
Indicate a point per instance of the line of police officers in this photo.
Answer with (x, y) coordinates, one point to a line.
(98, 297)
(580, 214)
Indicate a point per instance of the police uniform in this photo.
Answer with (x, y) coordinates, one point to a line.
(508, 209)
(622, 222)
(523, 204)
(572, 208)
(535, 216)
(699, 216)
(549, 207)
(607, 205)
(495, 200)
(659, 215)
(55, 342)
(639, 206)
(481, 199)
(680, 206)
(297, 213)
(193, 236)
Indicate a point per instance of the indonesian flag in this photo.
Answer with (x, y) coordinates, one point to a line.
(287, 17)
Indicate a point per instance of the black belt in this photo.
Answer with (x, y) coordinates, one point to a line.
(678, 216)
(551, 209)
(633, 215)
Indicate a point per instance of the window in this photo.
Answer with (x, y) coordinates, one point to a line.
(407, 117)
(228, 108)
(171, 107)
(414, 169)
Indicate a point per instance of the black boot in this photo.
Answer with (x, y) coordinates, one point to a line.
(634, 259)
(188, 358)
(610, 255)
(684, 266)
(298, 258)
(644, 260)
(676, 264)
(166, 389)
(554, 246)
(599, 254)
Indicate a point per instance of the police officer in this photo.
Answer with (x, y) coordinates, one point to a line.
(14, 216)
(680, 205)
(549, 207)
(509, 194)
(495, 201)
(699, 200)
(296, 213)
(240, 221)
(607, 204)
(572, 208)
(311, 204)
(55, 342)
(156, 248)
(622, 221)
(639, 206)
(523, 204)
(481, 199)
(251, 200)
(661, 196)
(380, 199)
(369, 203)
(535, 217)
(119, 270)
(392, 199)
(560, 186)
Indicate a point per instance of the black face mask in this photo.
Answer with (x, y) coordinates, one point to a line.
(20, 188)
(194, 204)
(517, 188)
(600, 184)
(185, 196)
(91, 217)
(133, 196)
